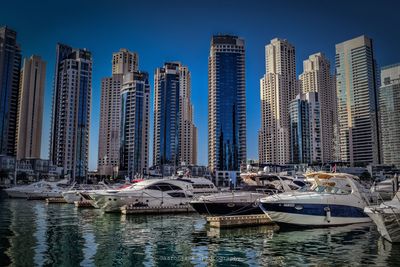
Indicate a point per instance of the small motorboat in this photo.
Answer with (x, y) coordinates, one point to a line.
(335, 199)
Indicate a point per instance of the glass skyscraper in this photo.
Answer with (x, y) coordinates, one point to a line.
(174, 131)
(134, 127)
(226, 104)
(69, 141)
(10, 66)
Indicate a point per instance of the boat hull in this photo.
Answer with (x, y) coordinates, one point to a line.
(314, 215)
(387, 223)
(225, 209)
(16, 194)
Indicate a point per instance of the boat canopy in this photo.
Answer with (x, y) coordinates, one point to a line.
(327, 175)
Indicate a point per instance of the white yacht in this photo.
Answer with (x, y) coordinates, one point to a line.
(245, 200)
(79, 192)
(336, 199)
(386, 216)
(41, 189)
(153, 193)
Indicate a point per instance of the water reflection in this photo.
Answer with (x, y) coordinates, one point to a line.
(36, 234)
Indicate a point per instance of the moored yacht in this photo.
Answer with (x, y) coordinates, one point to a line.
(153, 193)
(386, 216)
(79, 192)
(336, 199)
(245, 200)
(41, 189)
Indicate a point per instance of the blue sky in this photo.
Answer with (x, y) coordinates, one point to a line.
(181, 30)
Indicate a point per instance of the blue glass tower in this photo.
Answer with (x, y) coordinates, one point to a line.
(134, 127)
(10, 66)
(226, 104)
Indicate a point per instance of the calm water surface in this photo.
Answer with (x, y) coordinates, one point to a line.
(35, 234)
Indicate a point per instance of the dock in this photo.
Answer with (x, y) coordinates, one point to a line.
(131, 209)
(55, 200)
(238, 221)
(84, 204)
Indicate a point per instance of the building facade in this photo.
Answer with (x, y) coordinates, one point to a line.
(316, 77)
(174, 130)
(30, 112)
(10, 66)
(226, 104)
(389, 110)
(69, 140)
(305, 129)
(123, 62)
(356, 85)
(135, 123)
(278, 88)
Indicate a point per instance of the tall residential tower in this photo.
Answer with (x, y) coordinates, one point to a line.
(69, 141)
(278, 88)
(174, 131)
(316, 77)
(135, 124)
(30, 114)
(123, 62)
(356, 85)
(389, 110)
(226, 104)
(10, 66)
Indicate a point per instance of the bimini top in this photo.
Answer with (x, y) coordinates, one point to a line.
(328, 175)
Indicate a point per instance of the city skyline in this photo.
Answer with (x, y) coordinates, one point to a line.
(151, 56)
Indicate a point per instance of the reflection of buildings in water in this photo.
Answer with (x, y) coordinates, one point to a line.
(159, 239)
(22, 241)
(236, 245)
(64, 240)
(335, 245)
(5, 232)
(40, 233)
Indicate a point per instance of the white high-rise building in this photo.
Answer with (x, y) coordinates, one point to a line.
(356, 85)
(278, 88)
(69, 141)
(123, 62)
(316, 77)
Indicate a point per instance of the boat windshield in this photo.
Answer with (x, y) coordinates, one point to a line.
(331, 190)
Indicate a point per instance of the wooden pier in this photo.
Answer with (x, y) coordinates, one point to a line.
(238, 221)
(130, 209)
(55, 200)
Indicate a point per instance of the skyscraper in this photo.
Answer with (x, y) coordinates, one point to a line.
(356, 84)
(10, 65)
(389, 110)
(305, 129)
(278, 88)
(123, 62)
(226, 103)
(30, 114)
(69, 140)
(316, 77)
(174, 141)
(134, 128)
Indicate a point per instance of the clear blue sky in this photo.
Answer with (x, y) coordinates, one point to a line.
(181, 30)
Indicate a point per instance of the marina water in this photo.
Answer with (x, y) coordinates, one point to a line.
(36, 234)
